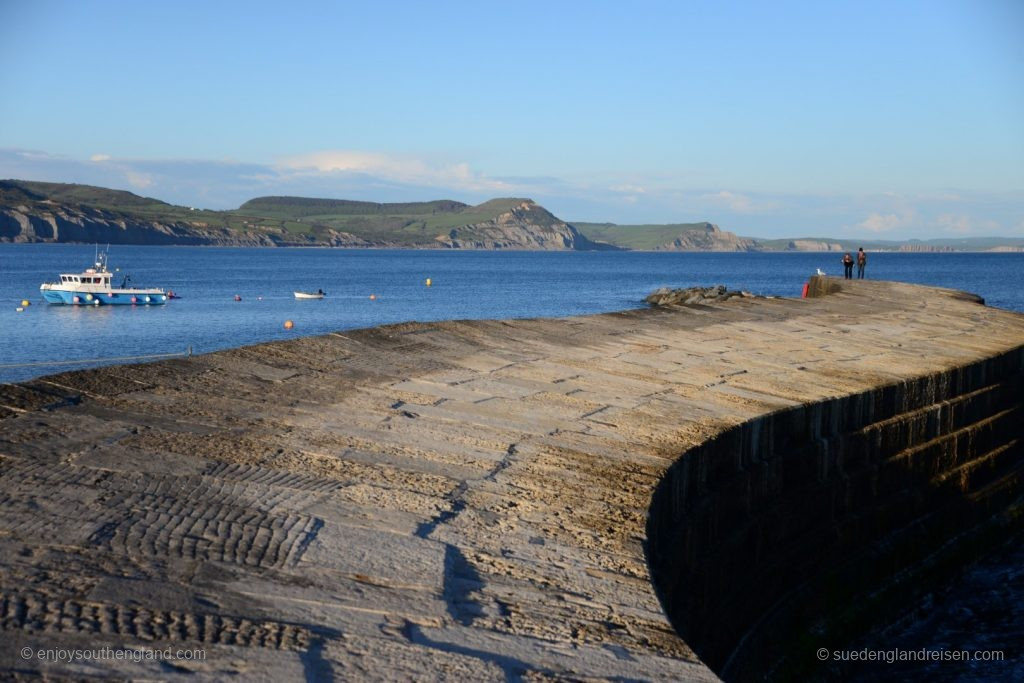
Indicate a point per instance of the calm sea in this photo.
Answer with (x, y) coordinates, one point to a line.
(464, 285)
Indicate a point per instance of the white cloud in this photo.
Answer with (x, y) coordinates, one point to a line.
(396, 169)
(954, 223)
(100, 157)
(628, 188)
(962, 224)
(34, 156)
(138, 180)
(877, 222)
(739, 203)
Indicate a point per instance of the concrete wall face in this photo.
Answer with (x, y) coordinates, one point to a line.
(798, 529)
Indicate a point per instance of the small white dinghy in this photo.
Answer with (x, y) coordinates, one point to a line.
(318, 294)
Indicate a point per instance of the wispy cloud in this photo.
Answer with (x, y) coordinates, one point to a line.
(962, 224)
(138, 180)
(880, 223)
(410, 171)
(740, 203)
(629, 188)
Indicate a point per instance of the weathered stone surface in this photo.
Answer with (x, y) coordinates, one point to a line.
(473, 498)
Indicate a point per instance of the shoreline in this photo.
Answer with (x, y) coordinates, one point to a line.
(537, 251)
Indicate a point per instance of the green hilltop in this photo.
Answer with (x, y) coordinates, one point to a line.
(409, 223)
(118, 202)
(415, 223)
(282, 220)
(641, 237)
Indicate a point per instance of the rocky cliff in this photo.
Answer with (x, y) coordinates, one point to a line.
(813, 245)
(56, 212)
(526, 225)
(59, 223)
(710, 238)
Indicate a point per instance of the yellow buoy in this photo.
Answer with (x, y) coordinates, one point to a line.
(288, 324)
(372, 297)
(25, 303)
(428, 282)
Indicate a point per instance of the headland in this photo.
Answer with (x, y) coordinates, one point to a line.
(670, 493)
(62, 212)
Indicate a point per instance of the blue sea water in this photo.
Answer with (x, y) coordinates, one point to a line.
(490, 284)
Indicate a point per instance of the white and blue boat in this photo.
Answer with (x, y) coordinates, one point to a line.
(93, 287)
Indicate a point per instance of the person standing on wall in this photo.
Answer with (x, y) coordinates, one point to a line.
(848, 266)
(862, 260)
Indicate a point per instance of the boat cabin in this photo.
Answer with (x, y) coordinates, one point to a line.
(89, 277)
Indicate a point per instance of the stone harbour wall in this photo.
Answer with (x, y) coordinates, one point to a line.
(794, 530)
(671, 493)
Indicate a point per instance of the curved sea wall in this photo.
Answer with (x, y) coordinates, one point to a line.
(512, 499)
(796, 530)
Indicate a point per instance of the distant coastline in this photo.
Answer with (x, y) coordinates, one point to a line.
(67, 213)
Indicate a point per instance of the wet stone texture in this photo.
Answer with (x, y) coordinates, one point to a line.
(472, 499)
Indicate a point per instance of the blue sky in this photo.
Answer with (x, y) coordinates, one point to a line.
(875, 119)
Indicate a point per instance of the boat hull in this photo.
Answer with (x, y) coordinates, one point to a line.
(113, 298)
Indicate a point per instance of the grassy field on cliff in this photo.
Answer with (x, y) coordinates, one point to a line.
(637, 236)
(410, 223)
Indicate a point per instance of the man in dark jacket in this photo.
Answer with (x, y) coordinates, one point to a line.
(848, 266)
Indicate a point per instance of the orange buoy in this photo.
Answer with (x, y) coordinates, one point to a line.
(803, 294)
(288, 324)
